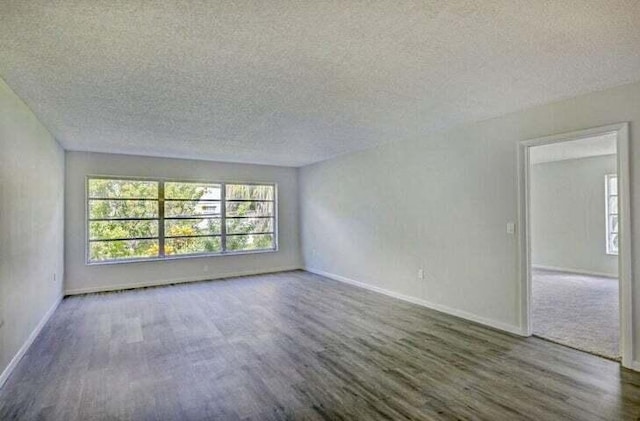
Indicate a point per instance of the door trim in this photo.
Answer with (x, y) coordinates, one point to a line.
(624, 220)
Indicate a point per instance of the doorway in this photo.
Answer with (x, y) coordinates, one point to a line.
(575, 242)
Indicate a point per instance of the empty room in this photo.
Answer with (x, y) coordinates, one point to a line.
(574, 244)
(309, 210)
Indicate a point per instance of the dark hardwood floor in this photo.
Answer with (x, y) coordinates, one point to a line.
(297, 346)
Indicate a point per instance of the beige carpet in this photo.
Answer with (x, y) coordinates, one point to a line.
(577, 310)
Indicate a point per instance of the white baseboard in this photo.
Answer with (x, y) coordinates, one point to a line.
(635, 366)
(516, 330)
(577, 271)
(120, 287)
(25, 346)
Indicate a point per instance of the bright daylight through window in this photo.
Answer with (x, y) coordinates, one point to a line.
(155, 219)
(611, 187)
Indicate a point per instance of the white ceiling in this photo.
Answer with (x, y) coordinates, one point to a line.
(295, 82)
(575, 149)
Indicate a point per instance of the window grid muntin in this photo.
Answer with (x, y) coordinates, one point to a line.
(161, 219)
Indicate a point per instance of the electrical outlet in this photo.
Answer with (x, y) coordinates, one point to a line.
(511, 228)
(420, 273)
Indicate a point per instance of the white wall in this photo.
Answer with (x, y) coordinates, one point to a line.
(442, 202)
(80, 277)
(568, 221)
(31, 226)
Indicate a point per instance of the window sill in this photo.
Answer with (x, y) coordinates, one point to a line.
(186, 256)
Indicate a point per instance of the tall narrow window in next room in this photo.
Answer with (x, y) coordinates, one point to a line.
(611, 187)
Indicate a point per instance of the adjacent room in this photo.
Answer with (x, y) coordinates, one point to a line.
(574, 221)
(319, 210)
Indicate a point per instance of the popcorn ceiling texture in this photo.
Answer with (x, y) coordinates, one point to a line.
(295, 82)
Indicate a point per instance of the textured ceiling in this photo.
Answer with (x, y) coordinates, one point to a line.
(575, 149)
(295, 82)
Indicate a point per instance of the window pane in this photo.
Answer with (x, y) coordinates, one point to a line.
(191, 208)
(613, 185)
(106, 209)
(126, 249)
(106, 230)
(613, 243)
(249, 208)
(194, 245)
(250, 242)
(613, 223)
(186, 227)
(613, 205)
(191, 191)
(249, 192)
(249, 225)
(123, 189)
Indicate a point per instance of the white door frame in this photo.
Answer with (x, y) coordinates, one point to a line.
(625, 273)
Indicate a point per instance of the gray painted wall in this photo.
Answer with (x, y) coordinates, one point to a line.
(31, 223)
(442, 202)
(80, 277)
(568, 222)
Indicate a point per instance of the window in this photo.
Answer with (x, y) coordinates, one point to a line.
(611, 188)
(192, 218)
(156, 219)
(123, 218)
(249, 214)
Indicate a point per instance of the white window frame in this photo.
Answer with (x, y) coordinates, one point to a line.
(161, 220)
(608, 213)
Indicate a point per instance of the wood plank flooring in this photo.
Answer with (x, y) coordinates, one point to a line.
(298, 346)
